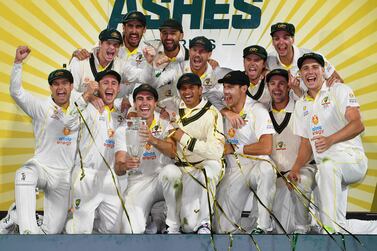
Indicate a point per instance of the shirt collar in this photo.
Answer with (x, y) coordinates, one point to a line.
(296, 56)
(289, 108)
(202, 103)
(324, 88)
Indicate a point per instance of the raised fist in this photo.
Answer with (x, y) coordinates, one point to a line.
(21, 53)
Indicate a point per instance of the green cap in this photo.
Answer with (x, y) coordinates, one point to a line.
(145, 88)
(189, 78)
(60, 73)
(235, 78)
(315, 56)
(288, 27)
(280, 72)
(203, 41)
(111, 34)
(255, 49)
(171, 24)
(135, 16)
(100, 75)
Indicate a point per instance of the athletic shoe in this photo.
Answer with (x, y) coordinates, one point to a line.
(171, 230)
(8, 223)
(204, 229)
(258, 230)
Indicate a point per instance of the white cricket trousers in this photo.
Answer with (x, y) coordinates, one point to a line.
(335, 173)
(290, 207)
(145, 190)
(95, 196)
(195, 204)
(234, 190)
(55, 184)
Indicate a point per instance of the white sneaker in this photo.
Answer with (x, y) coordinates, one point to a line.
(8, 223)
(204, 229)
(39, 218)
(171, 230)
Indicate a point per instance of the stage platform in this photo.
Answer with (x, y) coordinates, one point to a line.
(183, 242)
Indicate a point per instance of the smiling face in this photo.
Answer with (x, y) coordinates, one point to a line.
(61, 91)
(108, 50)
(233, 94)
(254, 66)
(145, 104)
(132, 33)
(191, 94)
(312, 74)
(170, 38)
(282, 42)
(108, 89)
(279, 90)
(199, 58)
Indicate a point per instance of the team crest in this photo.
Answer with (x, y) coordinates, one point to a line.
(208, 83)
(77, 203)
(139, 58)
(243, 116)
(306, 112)
(280, 146)
(325, 102)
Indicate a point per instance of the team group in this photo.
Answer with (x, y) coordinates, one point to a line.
(280, 139)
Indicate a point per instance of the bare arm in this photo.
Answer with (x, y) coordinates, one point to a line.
(335, 77)
(165, 146)
(303, 157)
(262, 147)
(124, 162)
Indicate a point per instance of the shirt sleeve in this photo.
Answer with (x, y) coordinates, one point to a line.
(299, 126)
(168, 75)
(120, 139)
(32, 106)
(263, 124)
(75, 68)
(344, 97)
(215, 95)
(212, 147)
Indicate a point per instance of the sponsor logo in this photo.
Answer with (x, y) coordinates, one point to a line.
(109, 143)
(231, 132)
(64, 140)
(315, 119)
(352, 98)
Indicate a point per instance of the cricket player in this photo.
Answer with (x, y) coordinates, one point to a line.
(103, 58)
(290, 207)
(198, 62)
(329, 123)
(132, 57)
(254, 62)
(50, 167)
(286, 55)
(158, 180)
(248, 164)
(168, 62)
(200, 145)
(94, 189)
